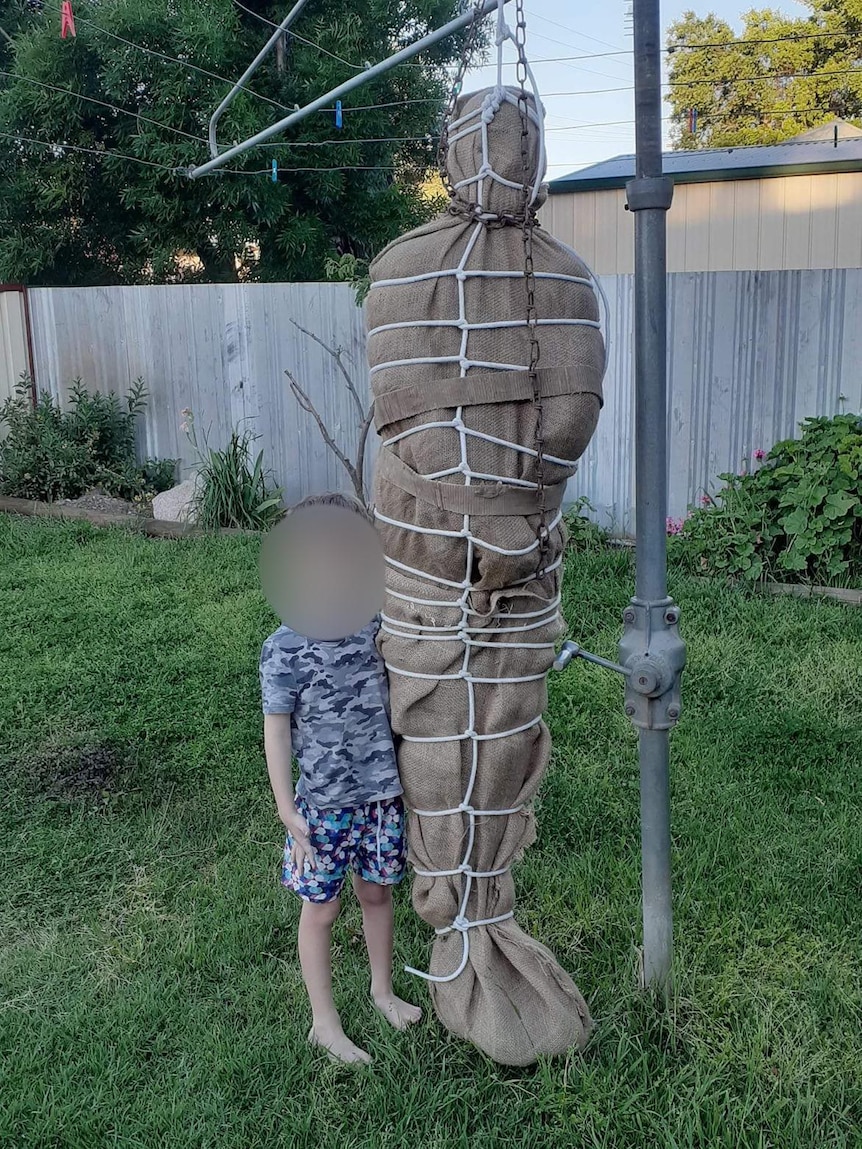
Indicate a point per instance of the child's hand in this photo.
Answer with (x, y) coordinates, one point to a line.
(302, 851)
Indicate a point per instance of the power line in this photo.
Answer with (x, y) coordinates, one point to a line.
(743, 42)
(311, 44)
(766, 76)
(104, 153)
(566, 28)
(295, 36)
(346, 168)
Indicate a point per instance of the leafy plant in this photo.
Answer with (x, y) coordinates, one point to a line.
(349, 269)
(231, 491)
(583, 533)
(796, 517)
(51, 454)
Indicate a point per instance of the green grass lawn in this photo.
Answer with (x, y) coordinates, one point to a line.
(149, 991)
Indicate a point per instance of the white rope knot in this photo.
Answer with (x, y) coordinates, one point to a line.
(504, 33)
(461, 924)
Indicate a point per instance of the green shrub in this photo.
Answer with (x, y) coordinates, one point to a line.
(232, 491)
(348, 269)
(50, 454)
(583, 533)
(797, 517)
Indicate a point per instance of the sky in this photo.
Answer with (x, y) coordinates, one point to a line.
(586, 121)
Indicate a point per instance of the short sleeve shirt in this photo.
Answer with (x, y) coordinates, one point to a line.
(337, 696)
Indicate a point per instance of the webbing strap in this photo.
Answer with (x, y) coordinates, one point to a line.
(493, 499)
(486, 387)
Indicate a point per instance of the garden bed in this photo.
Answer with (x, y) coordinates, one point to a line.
(138, 518)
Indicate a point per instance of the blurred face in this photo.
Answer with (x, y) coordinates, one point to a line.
(323, 573)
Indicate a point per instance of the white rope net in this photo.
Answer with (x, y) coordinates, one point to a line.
(473, 613)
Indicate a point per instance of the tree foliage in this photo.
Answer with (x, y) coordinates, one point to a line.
(91, 216)
(780, 77)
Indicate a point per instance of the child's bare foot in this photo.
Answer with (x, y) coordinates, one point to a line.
(339, 1046)
(398, 1013)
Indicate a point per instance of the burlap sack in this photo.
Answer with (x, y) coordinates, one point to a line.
(512, 999)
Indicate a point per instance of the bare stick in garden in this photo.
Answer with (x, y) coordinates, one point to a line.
(356, 470)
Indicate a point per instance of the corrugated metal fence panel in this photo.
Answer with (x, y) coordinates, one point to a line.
(605, 473)
(13, 342)
(750, 355)
(222, 350)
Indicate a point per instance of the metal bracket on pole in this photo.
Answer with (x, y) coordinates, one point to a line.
(570, 650)
(652, 657)
(654, 654)
(649, 194)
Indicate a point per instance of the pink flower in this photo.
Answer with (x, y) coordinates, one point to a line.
(674, 526)
(184, 427)
(705, 501)
(186, 412)
(759, 454)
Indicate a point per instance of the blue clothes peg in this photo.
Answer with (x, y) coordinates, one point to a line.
(339, 119)
(275, 171)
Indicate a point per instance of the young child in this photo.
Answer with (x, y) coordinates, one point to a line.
(327, 701)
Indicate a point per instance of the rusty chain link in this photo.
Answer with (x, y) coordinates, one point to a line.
(526, 219)
(528, 224)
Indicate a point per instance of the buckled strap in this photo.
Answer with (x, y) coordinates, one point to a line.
(488, 499)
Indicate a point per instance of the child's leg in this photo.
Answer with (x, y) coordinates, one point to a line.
(377, 925)
(319, 885)
(315, 933)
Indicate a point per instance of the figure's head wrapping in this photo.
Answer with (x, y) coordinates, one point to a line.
(485, 164)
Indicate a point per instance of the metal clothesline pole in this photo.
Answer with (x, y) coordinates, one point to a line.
(649, 197)
(336, 93)
(250, 71)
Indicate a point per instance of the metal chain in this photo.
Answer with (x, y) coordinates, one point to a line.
(528, 224)
(527, 221)
(457, 85)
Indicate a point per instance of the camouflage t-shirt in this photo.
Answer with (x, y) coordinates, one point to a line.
(337, 696)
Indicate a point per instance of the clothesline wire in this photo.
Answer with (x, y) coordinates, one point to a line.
(103, 104)
(164, 56)
(179, 169)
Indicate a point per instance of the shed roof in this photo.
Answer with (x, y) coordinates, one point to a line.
(709, 165)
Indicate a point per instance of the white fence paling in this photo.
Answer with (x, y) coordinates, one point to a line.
(750, 355)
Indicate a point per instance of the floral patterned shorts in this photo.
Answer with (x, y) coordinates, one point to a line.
(369, 840)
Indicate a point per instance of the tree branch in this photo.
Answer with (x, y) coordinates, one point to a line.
(356, 476)
(364, 428)
(336, 353)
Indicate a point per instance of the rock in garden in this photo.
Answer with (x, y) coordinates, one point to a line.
(176, 505)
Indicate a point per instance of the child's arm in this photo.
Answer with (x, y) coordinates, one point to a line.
(279, 752)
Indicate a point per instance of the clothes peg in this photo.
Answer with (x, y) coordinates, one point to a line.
(275, 171)
(339, 119)
(67, 20)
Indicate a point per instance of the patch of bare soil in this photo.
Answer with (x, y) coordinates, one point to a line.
(89, 773)
(97, 500)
